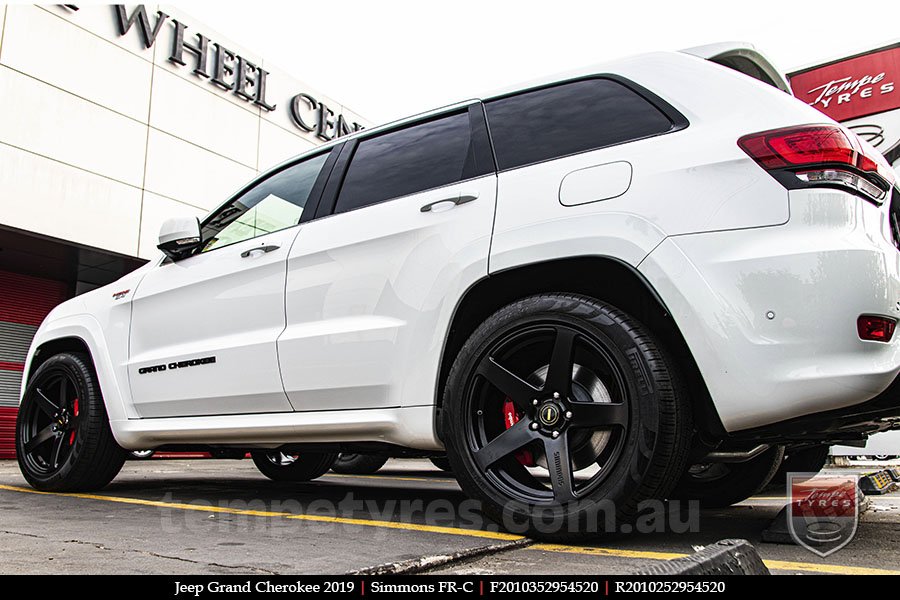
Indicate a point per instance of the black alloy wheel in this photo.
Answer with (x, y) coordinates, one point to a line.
(63, 438)
(49, 426)
(351, 463)
(570, 413)
(561, 407)
(718, 485)
(279, 465)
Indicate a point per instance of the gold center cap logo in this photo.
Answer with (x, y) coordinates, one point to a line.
(549, 415)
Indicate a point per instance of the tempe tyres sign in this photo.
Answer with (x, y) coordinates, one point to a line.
(862, 92)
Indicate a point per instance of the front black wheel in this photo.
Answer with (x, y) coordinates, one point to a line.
(63, 439)
(562, 416)
(291, 466)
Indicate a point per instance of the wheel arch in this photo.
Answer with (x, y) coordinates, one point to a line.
(82, 334)
(53, 347)
(602, 277)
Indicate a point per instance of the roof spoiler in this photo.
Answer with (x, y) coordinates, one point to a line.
(744, 58)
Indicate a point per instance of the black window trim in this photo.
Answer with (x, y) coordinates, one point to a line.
(678, 120)
(328, 204)
(312, 203)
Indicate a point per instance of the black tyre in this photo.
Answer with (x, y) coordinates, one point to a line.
(442, 463)
(63, 439)
(804, 460)
(580, 381)
(286, 466)
(358, 464)
(717, 485)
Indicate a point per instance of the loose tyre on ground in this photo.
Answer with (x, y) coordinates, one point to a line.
(717, 485)
(63, 439)
(358, 464)
(560, 409)
(287, 466)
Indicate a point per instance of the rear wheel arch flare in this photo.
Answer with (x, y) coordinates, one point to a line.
(602, 277)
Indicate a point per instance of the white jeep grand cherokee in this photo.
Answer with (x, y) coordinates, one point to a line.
(638, 281)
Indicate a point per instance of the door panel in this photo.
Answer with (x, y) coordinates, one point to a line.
(226, 304)
(370, 294)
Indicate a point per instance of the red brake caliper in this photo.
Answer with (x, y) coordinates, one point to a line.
(74, 414)
(510, 418)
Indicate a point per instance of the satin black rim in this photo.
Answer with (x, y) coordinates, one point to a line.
(48, 428)
(564, 436)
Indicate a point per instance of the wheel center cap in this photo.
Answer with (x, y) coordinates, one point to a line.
(549, 414)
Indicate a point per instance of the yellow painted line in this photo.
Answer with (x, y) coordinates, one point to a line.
(492, 535)
(778, 565)
(389, 478)
(786, 565)
(591, 551)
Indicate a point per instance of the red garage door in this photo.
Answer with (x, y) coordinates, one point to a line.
(24, 302)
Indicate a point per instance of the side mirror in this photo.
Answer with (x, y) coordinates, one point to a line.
(179, 236)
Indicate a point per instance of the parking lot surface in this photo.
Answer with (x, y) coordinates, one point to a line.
(223, 517)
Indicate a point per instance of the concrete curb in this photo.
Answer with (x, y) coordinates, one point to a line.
(428, 563)
(726, 557)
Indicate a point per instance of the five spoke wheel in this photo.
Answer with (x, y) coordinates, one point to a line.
(50, 424)
(566, 410)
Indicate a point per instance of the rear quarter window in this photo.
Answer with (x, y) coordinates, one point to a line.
(569, 118)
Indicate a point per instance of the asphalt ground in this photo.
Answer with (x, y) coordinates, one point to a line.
(223, 517)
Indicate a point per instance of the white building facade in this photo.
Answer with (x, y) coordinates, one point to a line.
(112, 119)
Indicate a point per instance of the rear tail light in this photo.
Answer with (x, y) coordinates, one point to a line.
(820, 155)
(875, 329)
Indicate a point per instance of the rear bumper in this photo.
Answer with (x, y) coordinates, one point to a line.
(770, 314)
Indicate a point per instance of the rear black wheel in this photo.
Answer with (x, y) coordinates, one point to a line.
(811, 459)
(717, 484)
(562, 416)
(63, 439)
(291, 466)
(358, 464)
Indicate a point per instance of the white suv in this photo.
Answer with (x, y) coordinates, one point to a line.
(638, 281)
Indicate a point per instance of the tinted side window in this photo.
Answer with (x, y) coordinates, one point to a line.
(569, 118)
(274, 204)
(418, 158)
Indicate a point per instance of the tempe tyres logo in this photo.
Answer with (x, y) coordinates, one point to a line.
(823, 514)
(854, 87)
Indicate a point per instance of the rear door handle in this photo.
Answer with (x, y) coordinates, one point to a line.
(450, 202)
(258, 250)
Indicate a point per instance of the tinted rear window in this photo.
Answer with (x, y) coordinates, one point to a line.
(418, 158)
(569, 118)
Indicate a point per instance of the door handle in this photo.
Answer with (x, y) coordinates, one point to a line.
(258, 249)
(456, 200)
